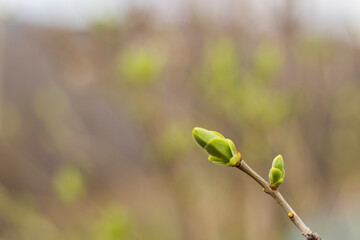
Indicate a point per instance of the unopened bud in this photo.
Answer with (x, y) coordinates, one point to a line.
(277, 172)
(203, 136)
(222, 151)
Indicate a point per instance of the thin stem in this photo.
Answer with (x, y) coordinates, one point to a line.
(305, 230)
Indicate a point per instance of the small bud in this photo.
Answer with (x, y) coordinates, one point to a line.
(291, 215)
(277, 172)
(222, 151)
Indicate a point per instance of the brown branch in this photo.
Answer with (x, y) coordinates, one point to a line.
(305, 230)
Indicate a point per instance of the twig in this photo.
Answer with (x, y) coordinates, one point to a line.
(305, 230)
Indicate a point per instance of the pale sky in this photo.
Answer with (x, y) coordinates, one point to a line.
(327, 14)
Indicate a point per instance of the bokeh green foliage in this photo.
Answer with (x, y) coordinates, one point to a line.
(172, 142)
(113, 224)
(246, 95)
(345, 135)
(267, 63)
(23, 214)
(69, 184)
(314, 49)
(110, 222)
(140, 66)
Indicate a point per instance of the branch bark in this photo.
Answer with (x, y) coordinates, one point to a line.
(305, 230)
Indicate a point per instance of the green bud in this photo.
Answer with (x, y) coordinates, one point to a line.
(232, 162)
(278, 162)
(275, 175)
(203, 136)
(222, 151)
(218, 134)
(217, 160)
(219, 148)
(232, 147)
(277, 172)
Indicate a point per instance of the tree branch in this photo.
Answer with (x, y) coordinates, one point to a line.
(305, 231)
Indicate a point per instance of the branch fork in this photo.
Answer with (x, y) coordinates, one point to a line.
(274, 193)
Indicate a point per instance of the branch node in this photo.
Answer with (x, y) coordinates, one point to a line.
(272, 186)
(266, 191)
(238, 164)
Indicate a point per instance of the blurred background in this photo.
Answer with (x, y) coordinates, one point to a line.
(98, 100)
